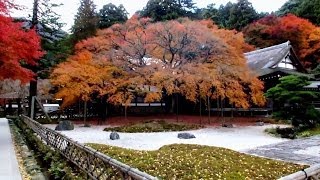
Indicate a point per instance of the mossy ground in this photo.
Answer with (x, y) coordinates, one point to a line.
(310, 132)
(199, 162)
(153, 126)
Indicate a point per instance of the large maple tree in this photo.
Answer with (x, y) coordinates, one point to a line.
(18, 47)
(191, 58)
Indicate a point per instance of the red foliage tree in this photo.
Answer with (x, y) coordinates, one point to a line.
(303, 35)
(18, 47)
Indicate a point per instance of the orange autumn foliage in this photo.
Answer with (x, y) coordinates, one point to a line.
(186, 57)
(80, 76)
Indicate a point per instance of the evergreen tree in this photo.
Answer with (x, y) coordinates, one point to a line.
(233, 15)
(308, 9)
(293, 102)
(161, 10)
(241, 14)
(111, 14)
(86, 21)
(290, 6)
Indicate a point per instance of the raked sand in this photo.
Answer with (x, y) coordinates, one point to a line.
(238, 138)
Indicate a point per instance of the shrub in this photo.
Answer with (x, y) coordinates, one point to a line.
(286, 132)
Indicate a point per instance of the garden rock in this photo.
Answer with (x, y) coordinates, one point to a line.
(259, 123)
(186, 136)
(65, 126)
(114, 136)
(228, 125)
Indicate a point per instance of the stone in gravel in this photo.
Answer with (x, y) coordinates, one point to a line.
(186, 136)
(114, 136)
(228, 125)
(259, 123)
(65, 126)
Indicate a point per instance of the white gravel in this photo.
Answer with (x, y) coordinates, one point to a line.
(313, 151)
(239, 138)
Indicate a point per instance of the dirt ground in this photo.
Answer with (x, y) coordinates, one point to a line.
(204, 120)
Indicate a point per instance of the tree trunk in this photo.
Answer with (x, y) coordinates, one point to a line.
(85, 113)
(32, 92)
(125, 112)
(200, 110)
(33, 83)
(35, 11)
(19, 106)
(209, 110)
(10, 107)
(232, 106)
(5, 108)
(177, 107)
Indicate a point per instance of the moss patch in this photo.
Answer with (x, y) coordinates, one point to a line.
(310, 132)
(199, 162)
(154, 126)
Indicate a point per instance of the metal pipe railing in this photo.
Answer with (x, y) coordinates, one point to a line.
(312, 172)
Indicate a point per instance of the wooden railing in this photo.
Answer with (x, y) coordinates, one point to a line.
(95, 164)
(312, 173)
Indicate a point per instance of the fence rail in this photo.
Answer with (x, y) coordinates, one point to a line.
(312, 172)
(95, 164)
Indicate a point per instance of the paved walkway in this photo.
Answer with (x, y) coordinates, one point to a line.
(301, 151)
(9, 169)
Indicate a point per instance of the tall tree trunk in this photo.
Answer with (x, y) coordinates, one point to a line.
(200, 110)
(35, 11)
(33, 83)
(232, 107)
(85, 113)
(19, 106)
(10, 107)
(177, 107)
(32, 93)
(209, 110)
(125, 112)
(5, 108)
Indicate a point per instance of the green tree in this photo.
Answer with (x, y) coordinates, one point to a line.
(290, 6)
(308, 9)
(161, 10)
(232, 15)
(292, 102)
(111, 14)
(316, 71)
(47, 24)
(86, 21)
(241, 14)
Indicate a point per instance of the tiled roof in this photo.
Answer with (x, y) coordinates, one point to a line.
(262, 61)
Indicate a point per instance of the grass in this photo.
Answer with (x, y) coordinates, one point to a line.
(199, 162)
(153, 126)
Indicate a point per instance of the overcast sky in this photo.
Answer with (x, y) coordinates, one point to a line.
(69, 9)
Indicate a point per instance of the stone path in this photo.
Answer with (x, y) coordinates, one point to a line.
(9, 169)
(301, 151)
